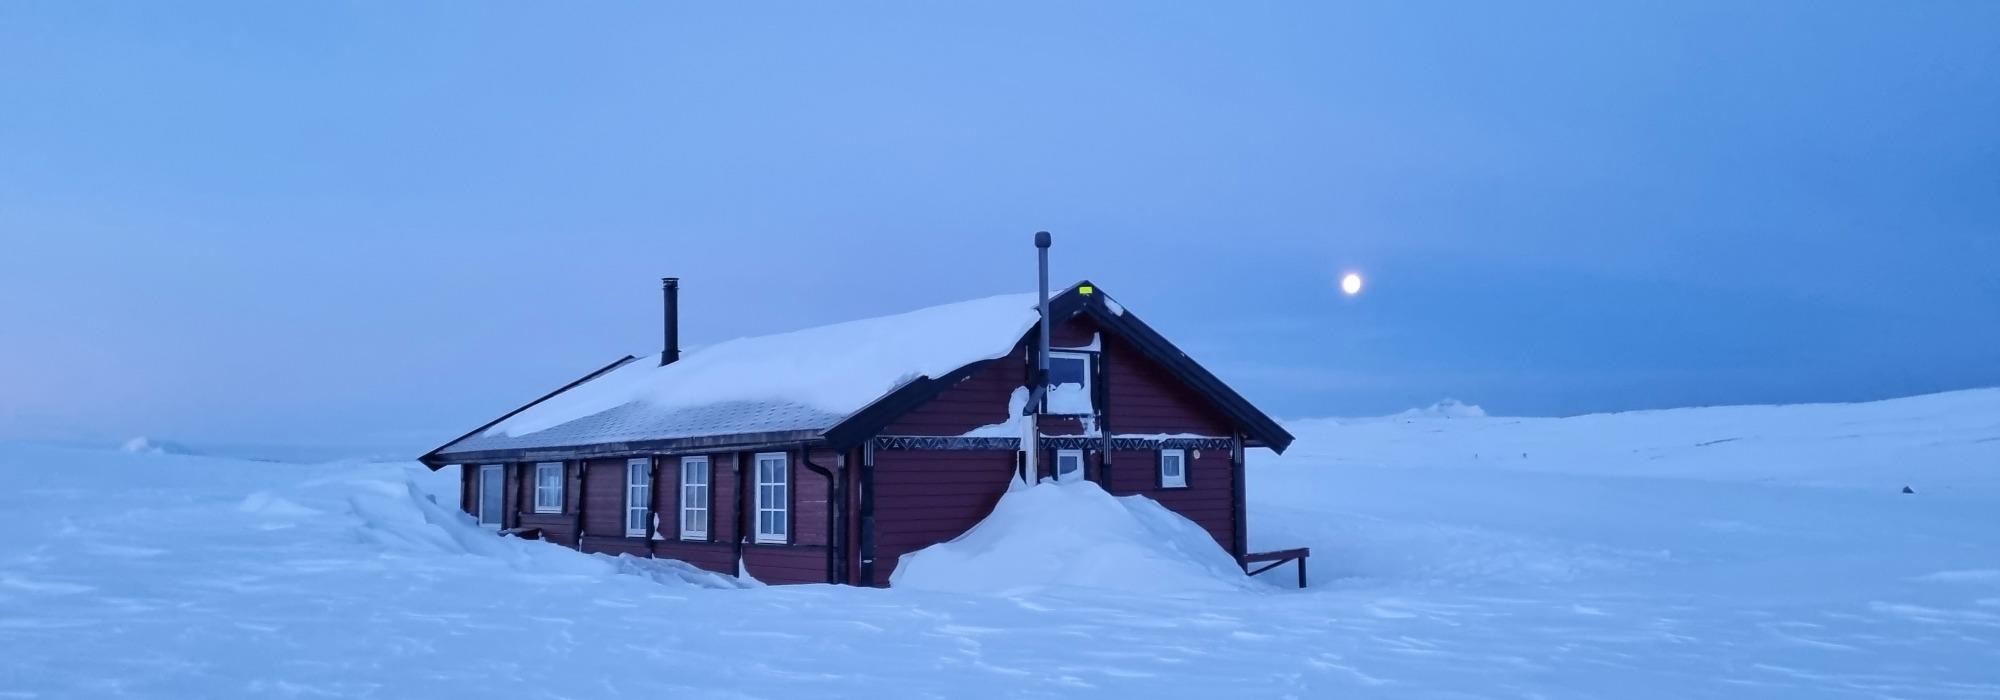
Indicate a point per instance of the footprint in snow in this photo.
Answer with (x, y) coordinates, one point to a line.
(1388, 613)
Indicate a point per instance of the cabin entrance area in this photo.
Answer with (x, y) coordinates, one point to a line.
(492, 495)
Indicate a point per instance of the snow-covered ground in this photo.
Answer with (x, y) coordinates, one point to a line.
(1723, 552)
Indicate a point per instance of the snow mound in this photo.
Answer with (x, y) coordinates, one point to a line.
(266, 504)
(398, 513)
(674, 572)
(1075, 535)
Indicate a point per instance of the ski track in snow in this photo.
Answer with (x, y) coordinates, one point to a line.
(148, 575)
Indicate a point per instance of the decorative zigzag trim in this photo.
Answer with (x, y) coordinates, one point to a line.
(923, 442)
(1073, 442)
(1078, 442)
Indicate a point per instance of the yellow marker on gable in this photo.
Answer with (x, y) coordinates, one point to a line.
(1085, 289)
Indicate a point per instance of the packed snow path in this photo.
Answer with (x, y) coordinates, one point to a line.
(1436, 575)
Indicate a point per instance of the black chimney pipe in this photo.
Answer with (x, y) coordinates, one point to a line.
(1042, 348)
(670, 287)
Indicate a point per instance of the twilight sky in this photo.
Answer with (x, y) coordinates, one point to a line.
(378, 225)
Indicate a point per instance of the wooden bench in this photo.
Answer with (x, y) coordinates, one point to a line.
(1276, 559)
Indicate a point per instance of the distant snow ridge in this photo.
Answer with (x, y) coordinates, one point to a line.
(1075, 535)
(143, 445)
(1936, 443)
(1448, 408)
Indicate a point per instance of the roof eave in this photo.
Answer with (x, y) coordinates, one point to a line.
(736, 442)
(435, 459)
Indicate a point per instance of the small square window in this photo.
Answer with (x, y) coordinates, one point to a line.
(1069, 465)
(549, 487)
(1069, 384)
(1173, 469)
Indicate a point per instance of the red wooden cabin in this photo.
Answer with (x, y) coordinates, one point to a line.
(666, 456)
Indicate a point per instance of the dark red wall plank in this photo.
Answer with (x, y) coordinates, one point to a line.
(785, 564)
(466, 493)
(908, 518)
(718, 557)
(604, 498)
(635, 546)
(1144, 397)
(978, 400)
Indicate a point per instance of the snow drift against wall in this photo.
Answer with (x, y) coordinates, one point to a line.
(1075, 535)
(839, 368)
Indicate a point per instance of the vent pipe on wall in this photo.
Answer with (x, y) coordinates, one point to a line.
(670, 288)
(1042, 346)
(1038, 381)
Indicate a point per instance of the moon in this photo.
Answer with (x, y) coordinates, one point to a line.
(1351, 283)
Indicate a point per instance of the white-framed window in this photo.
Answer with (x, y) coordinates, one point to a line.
(774, 498)
(1069, 384)
(549, 487)
(638, 495)
(694, 498)
(492, 495)
(1069, 465)
(1173, 469)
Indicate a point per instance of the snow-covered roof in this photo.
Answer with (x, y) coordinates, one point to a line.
(807, 380)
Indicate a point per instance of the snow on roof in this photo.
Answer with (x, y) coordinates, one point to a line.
(802, 380)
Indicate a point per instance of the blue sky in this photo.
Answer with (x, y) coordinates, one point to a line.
(377, 224)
